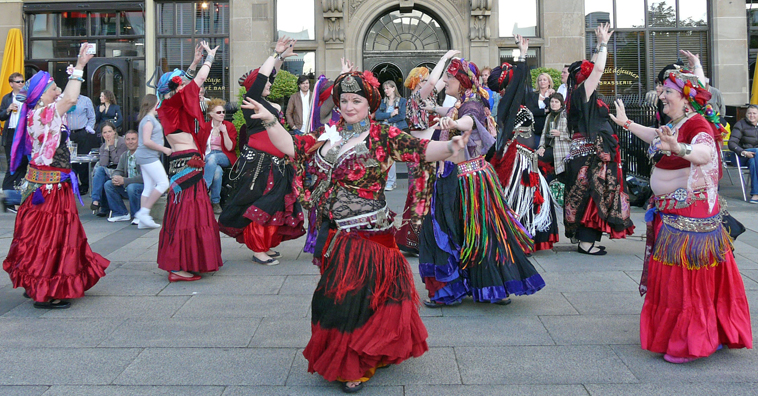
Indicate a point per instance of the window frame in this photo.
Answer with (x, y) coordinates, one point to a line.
(537, 27)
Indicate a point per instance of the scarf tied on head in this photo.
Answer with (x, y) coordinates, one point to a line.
(29, 96)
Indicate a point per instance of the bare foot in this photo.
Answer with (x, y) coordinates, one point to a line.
(184, 274)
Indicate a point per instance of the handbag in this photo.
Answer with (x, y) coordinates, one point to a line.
(732, 225)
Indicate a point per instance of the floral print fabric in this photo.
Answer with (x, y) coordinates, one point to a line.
(44, 127)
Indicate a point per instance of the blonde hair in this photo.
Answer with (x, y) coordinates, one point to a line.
(415, 77)
(549, 79)
(215, 102)
(390, 83)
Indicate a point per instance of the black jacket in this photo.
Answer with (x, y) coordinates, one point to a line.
(744, 136)
(4, 117)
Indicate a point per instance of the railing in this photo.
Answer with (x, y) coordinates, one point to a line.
(634, 157)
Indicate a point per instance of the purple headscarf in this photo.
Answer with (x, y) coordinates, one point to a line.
(28, 96)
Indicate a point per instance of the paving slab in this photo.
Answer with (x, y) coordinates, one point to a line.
(737, 365)
(10, 298)
(182, 332)
(258, 306)
(120, 307)
(128, 282)
(329, 389)
(300, 285)
(68, 333)
(249, 268)
(218, 285)
(606, 303)
(495, 390)
(572, 261)
(208, 366)
(593, 329)
(118, 390)
(489, 331)
(22, 390)
(588, 281)
(77, 366)
(540, 303)
(671, 388)
(541, 365)
(282, 333)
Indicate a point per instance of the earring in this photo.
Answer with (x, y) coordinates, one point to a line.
(686, 109)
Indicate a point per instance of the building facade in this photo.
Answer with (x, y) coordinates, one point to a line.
(138, 39)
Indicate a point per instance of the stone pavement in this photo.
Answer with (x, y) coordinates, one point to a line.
(241, 331)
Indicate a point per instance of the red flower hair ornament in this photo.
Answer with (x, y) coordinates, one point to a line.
(368, 77)
(177, 80)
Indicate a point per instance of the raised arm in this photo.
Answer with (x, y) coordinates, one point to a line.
(603, 33)
(695, 66)
(284, 48)
(74, 85)
(280, 138)
(434, 80)
(202, 74)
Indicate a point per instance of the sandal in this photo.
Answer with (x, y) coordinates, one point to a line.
(434, 304)
(504, 301)
(352, 389)
(52, 304)
(275, 255)
(600, 252)
(94, 206)
(268, 262)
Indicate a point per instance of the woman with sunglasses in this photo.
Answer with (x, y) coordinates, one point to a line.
(219, 150)
(262, 210)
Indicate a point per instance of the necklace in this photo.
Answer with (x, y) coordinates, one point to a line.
(348, 132)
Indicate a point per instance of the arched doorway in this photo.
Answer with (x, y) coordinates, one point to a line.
(397, 42)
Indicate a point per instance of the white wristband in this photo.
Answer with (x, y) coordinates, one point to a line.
(77, 73)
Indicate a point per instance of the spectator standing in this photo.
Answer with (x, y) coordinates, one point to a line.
(81, 125)
(555, 141)
(539, 103)
(148, 155)
(110, 152)
(299, 107)
(392, 112)
(562, 89)
(9, 109)
(744, 142)
(219, 151)
(109, 110)
(494, 97)
(126, 182)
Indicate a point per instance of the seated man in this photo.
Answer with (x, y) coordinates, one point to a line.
(126, 182)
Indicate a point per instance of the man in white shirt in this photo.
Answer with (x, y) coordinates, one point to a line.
(564, 77)
(299, 107)
(9, 112)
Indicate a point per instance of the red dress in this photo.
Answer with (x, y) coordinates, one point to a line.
(189, 238)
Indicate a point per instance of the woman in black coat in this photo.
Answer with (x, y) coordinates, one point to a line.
(109, 111)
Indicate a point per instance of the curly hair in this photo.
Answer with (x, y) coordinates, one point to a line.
(415, 77)
(109, 96)
(215, 102)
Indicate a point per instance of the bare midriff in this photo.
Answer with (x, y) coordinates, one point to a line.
(664, 181)
(181, 141)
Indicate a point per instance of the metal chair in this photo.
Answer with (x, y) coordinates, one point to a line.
(740, 170)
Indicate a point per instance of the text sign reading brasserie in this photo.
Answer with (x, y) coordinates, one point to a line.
(620, 73)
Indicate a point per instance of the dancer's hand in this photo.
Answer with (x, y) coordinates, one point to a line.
(603, 33)
(460, 142)
(198, 54)
(289, 50)
(541, 151)
(347, 66)
(281, 44)
(167, 151)
(208, 50)
(261, 113)
(555, 133)
(692, 59)
(668, 139)
(450, 54)
(447, 123)
(523, 44)
(83, 56)
(620, 118)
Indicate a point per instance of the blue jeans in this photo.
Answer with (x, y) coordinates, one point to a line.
(12, 197)
(100, 176)
(752, 164)
(213, 173)
(116, 194)
(392, 176)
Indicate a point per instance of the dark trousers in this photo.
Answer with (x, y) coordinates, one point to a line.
(589, 235)
(85, 142)
(10, 181)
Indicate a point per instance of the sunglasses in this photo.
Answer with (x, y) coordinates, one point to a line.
(18, 82)
(221, 112)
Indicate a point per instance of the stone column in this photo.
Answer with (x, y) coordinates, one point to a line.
(334, 36)
(729, 51)
(251, 37)
(480, 31)
(562, 24)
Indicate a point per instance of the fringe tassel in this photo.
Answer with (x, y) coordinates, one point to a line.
(542, 219)
(486, 223)
(693, 249)
(37, 197)
(528, 201)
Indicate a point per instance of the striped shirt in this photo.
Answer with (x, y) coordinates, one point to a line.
(82, 116)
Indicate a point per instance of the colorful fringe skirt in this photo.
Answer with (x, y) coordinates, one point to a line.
(365, 307)
(527, 193)
(695, 297)
(49, 256)
(189, 239)
(471, 242)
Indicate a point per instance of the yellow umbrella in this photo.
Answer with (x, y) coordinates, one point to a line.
(754, 93)
(13, 60)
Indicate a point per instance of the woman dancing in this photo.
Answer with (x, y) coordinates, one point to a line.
(695, 301)
(49, 255)
(515, 160)
(262, 210)
(365, 308)
(595, 201)
(189, 239)
(472, 243)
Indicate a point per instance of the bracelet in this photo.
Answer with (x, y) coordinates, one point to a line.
(190, 73)
(602, 45)
(698, 66)
(268, 125)
(684, 149)
(521, 59)
(76, 79)
(450, 147)
(207, 64)
(627, 124)
(77, 73)
(277, 55)
(210, 58)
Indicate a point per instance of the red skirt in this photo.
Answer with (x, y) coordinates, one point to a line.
(689, 311)
(189, 238)
(364, 310)
(49, 254)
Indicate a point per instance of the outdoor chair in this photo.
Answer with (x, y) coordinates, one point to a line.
(726, 155)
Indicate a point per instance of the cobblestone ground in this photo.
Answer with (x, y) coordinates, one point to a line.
(241, 330)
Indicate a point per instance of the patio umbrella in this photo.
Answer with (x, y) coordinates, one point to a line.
(754, 91)
(13, 60)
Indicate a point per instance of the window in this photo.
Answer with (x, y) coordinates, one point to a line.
(517, 17)
(412, 31)
(645, 40)
(303, 63)
(181, 26)
(510, 54)
(300, 24)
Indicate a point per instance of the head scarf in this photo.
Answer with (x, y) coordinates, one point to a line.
(248, 78)
(687, 84)
(168, 82)
(362, 84)
(662, 73)
(466, 73)
(580, 70)
(500, 77)
(29, 96)
(415, 77)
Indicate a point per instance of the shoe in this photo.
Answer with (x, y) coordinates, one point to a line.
(135, 221)
(268, 262)
(145, 220)
(275, 255)
(754, 201)
(12, 209)
(217, 208)
(114, 219)
(353, 389)
(94, 206)
(434, 304)
(172, 277)
(26, 295)
(60, 304)
(389, 188)
(677, 360)
(504, 301)
(598, 253)
(102, 213)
